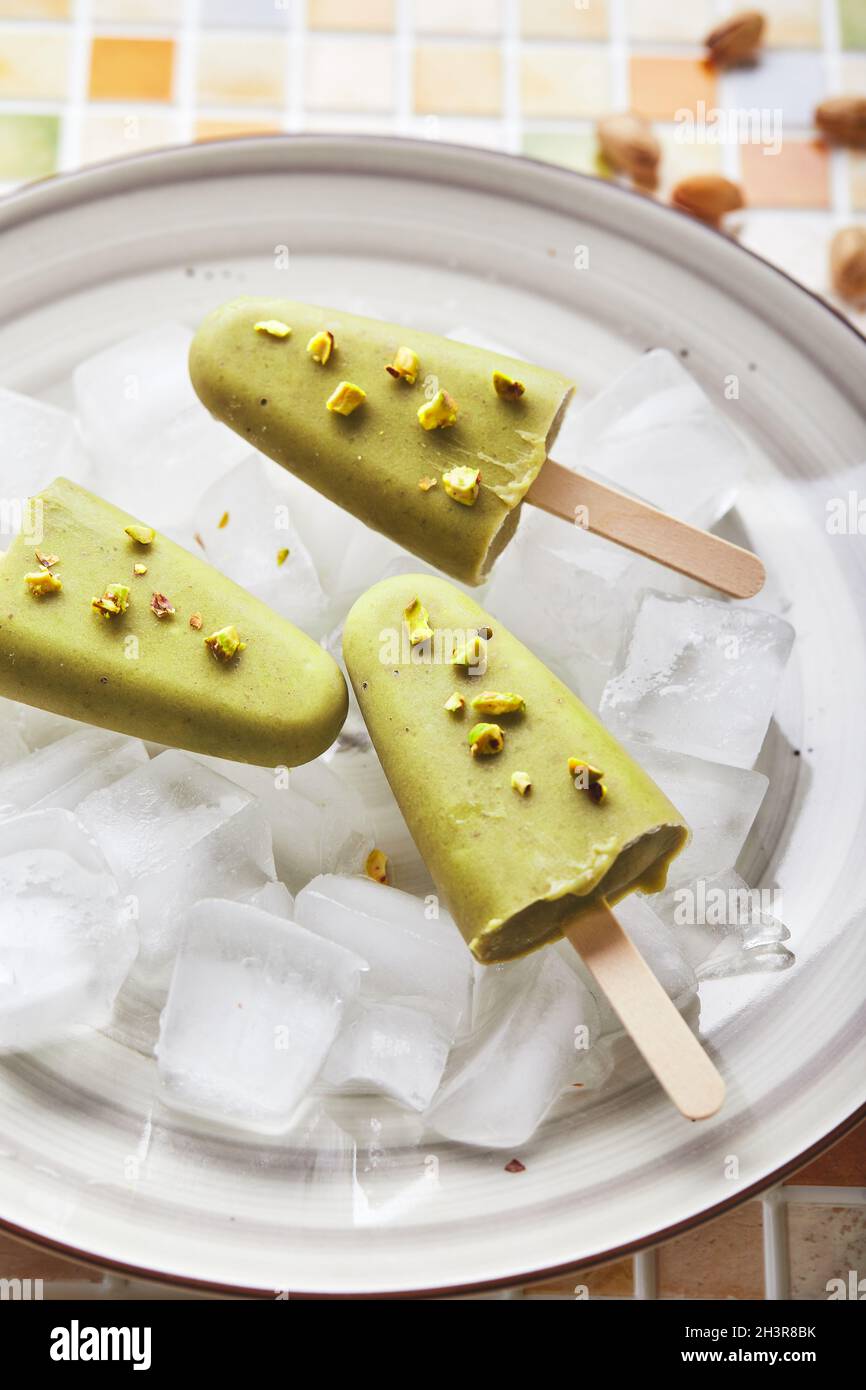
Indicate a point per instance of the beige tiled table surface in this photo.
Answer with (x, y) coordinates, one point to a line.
(84, 80)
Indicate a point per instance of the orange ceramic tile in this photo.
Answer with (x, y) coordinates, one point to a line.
(828, 1251)
(573, 149)
(131, 69)
(563, 82)
(33, 63)
(213, 129)
(241, 70)
(722, 1260)
(797, 177)
(349, 14)
(563, 19)
(683, 23)
(138, 11)
(844, 1165)
(346, 76)
(454, 80)
(458, 17)
(792, 23)
(113, 137)
(20, 1261)
(660, 87)
(615, 1280)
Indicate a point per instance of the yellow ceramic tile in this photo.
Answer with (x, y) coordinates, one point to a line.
(35, 9)
(346, 76)
(722, 1260)
(660, 87)
(453, 80)
(113, 137)
(563, 19)
(857, 180)
(828, 1251)
(573, 149)
(28, 145)
(138, 11)
(793, 23)
(131, 69)
(207, 129)
(33, 63)
(349, 14)
(852, 74)
(689, 23)
(562, 82)
(797, 177)
(458, 17)
(241, 70)
(680, 159)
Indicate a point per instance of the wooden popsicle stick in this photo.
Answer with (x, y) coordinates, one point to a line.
(639, 527)
(664, 1039)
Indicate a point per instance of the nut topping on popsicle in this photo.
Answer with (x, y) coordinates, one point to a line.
(461, 483)
(418, 622)
(405, 366)
(438, 414)
(345, 399)
(521, 783)
(320, 346)
(507, 387)
(43, 582)
(142, 535)
(499, 702)
(274, 328)
(225, 644)
(485, 740)
(114, 601)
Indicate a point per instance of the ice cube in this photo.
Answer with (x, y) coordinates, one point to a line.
(155, 447)
(698, 676)
(66, 942)
(245, 520)
(12, 745)
(65, 772)
(274, 898)
(564, 593)
(725, 927)
(392, 1048)
(410, 951)
(254, 1006)
(40, 443)
(653, 432)
(718, 801)
(533, 1017)
(174, 832)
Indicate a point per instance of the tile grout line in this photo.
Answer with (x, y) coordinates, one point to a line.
(777, 1263)
(294, 112)
(618, 56)
(403, 41)
(646, 1274)
(840, 189)
(73, 111)
(184, 104)
(793, 1195)
(511, 106)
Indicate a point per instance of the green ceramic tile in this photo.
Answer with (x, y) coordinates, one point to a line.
(574, 151)
(852, 23)
(28, 146)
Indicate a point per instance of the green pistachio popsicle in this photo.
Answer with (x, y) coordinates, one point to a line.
(523, 806)
(430, 441)
(106, 621)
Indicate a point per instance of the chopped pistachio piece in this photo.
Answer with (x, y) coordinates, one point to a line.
(587, 778)
(521, 783)
(320, 346)
(454, 703)
(485, 740)
(467, 651)
(439, 413)
(226, 643)
(160, 606)
(143, 535)
(114, 601)
(507, 387)
(282, 555)
(376, 866)
(275, 328)
(46, 561)
(139, 570)
(461, 483)
(223, 522)
(499, 702)
(418, 622)
(196, 622)
(425, 484)
(43, 582)
(406, 365)
(345, 399)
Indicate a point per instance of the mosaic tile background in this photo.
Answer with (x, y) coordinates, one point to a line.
(89, 80)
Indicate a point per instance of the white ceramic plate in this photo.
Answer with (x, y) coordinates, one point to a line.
(365, 1203)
